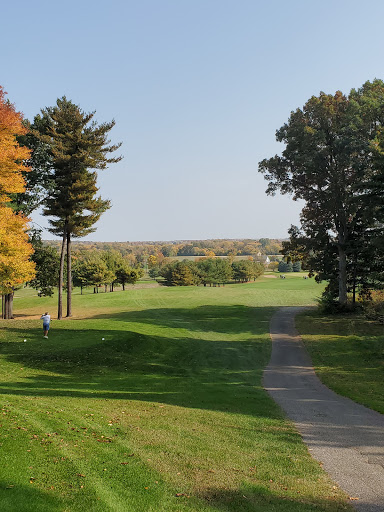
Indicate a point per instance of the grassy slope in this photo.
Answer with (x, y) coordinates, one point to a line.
(348, 355)
(169, 403)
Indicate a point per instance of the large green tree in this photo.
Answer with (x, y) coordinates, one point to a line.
(46, 259)
(331, 161)
(38, 183)
(77, 146)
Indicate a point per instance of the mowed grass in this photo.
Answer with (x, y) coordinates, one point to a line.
(166, 413)
(348, 355)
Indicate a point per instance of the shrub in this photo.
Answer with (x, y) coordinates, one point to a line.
(297, 266)
(373, 305)
(328, 303)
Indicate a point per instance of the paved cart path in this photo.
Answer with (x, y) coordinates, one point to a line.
(346, 437)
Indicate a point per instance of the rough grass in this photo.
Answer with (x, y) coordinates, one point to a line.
(348, 355)
(167, 413)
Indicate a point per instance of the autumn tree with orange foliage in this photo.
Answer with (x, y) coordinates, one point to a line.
(15, 251)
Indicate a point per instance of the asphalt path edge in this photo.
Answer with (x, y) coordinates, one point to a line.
(346, 437)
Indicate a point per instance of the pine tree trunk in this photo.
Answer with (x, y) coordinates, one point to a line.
(69, 276)
(123, 286)
(61, 279)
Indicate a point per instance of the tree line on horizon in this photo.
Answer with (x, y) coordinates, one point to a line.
(208, 248)
(207, 271)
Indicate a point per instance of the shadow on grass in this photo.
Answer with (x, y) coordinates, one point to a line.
(27, 499)
(313, 322)
(221, 319)
(348, 353)
(185, 371)
(256, 498)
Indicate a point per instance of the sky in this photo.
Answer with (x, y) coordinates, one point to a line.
(197, 88)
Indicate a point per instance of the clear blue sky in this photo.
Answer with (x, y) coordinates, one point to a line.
(197, 89)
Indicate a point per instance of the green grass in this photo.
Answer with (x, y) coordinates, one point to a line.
(167, 413)
(348, 355)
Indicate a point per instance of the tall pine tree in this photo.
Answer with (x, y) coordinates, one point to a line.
(77, 146)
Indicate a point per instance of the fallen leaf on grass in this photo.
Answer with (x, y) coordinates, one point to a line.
(79, 474)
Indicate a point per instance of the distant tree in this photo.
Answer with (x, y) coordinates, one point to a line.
(214, 271)
(109, 279)
(296, 267)
(98, 274)
(273, 266)
(186, 250)
(246, 270)
(272, 248)
(168, 250)
(114, 260)
(81, 274)
(264, 242)
(128, 275)
(208, 253)
(180, 273)
(154, 272)
(152, 261)
(289, 267)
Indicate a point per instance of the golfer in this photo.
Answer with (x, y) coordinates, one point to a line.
(46, 318)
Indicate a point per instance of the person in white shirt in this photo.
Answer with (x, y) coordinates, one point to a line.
(46, 318)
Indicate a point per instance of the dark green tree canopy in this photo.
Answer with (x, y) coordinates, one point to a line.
(331, 160)
(77, 147)
(38, 180)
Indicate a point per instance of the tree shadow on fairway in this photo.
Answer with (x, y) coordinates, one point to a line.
(256, 498)
(209, 373)
(27, 499)
(221, 319)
